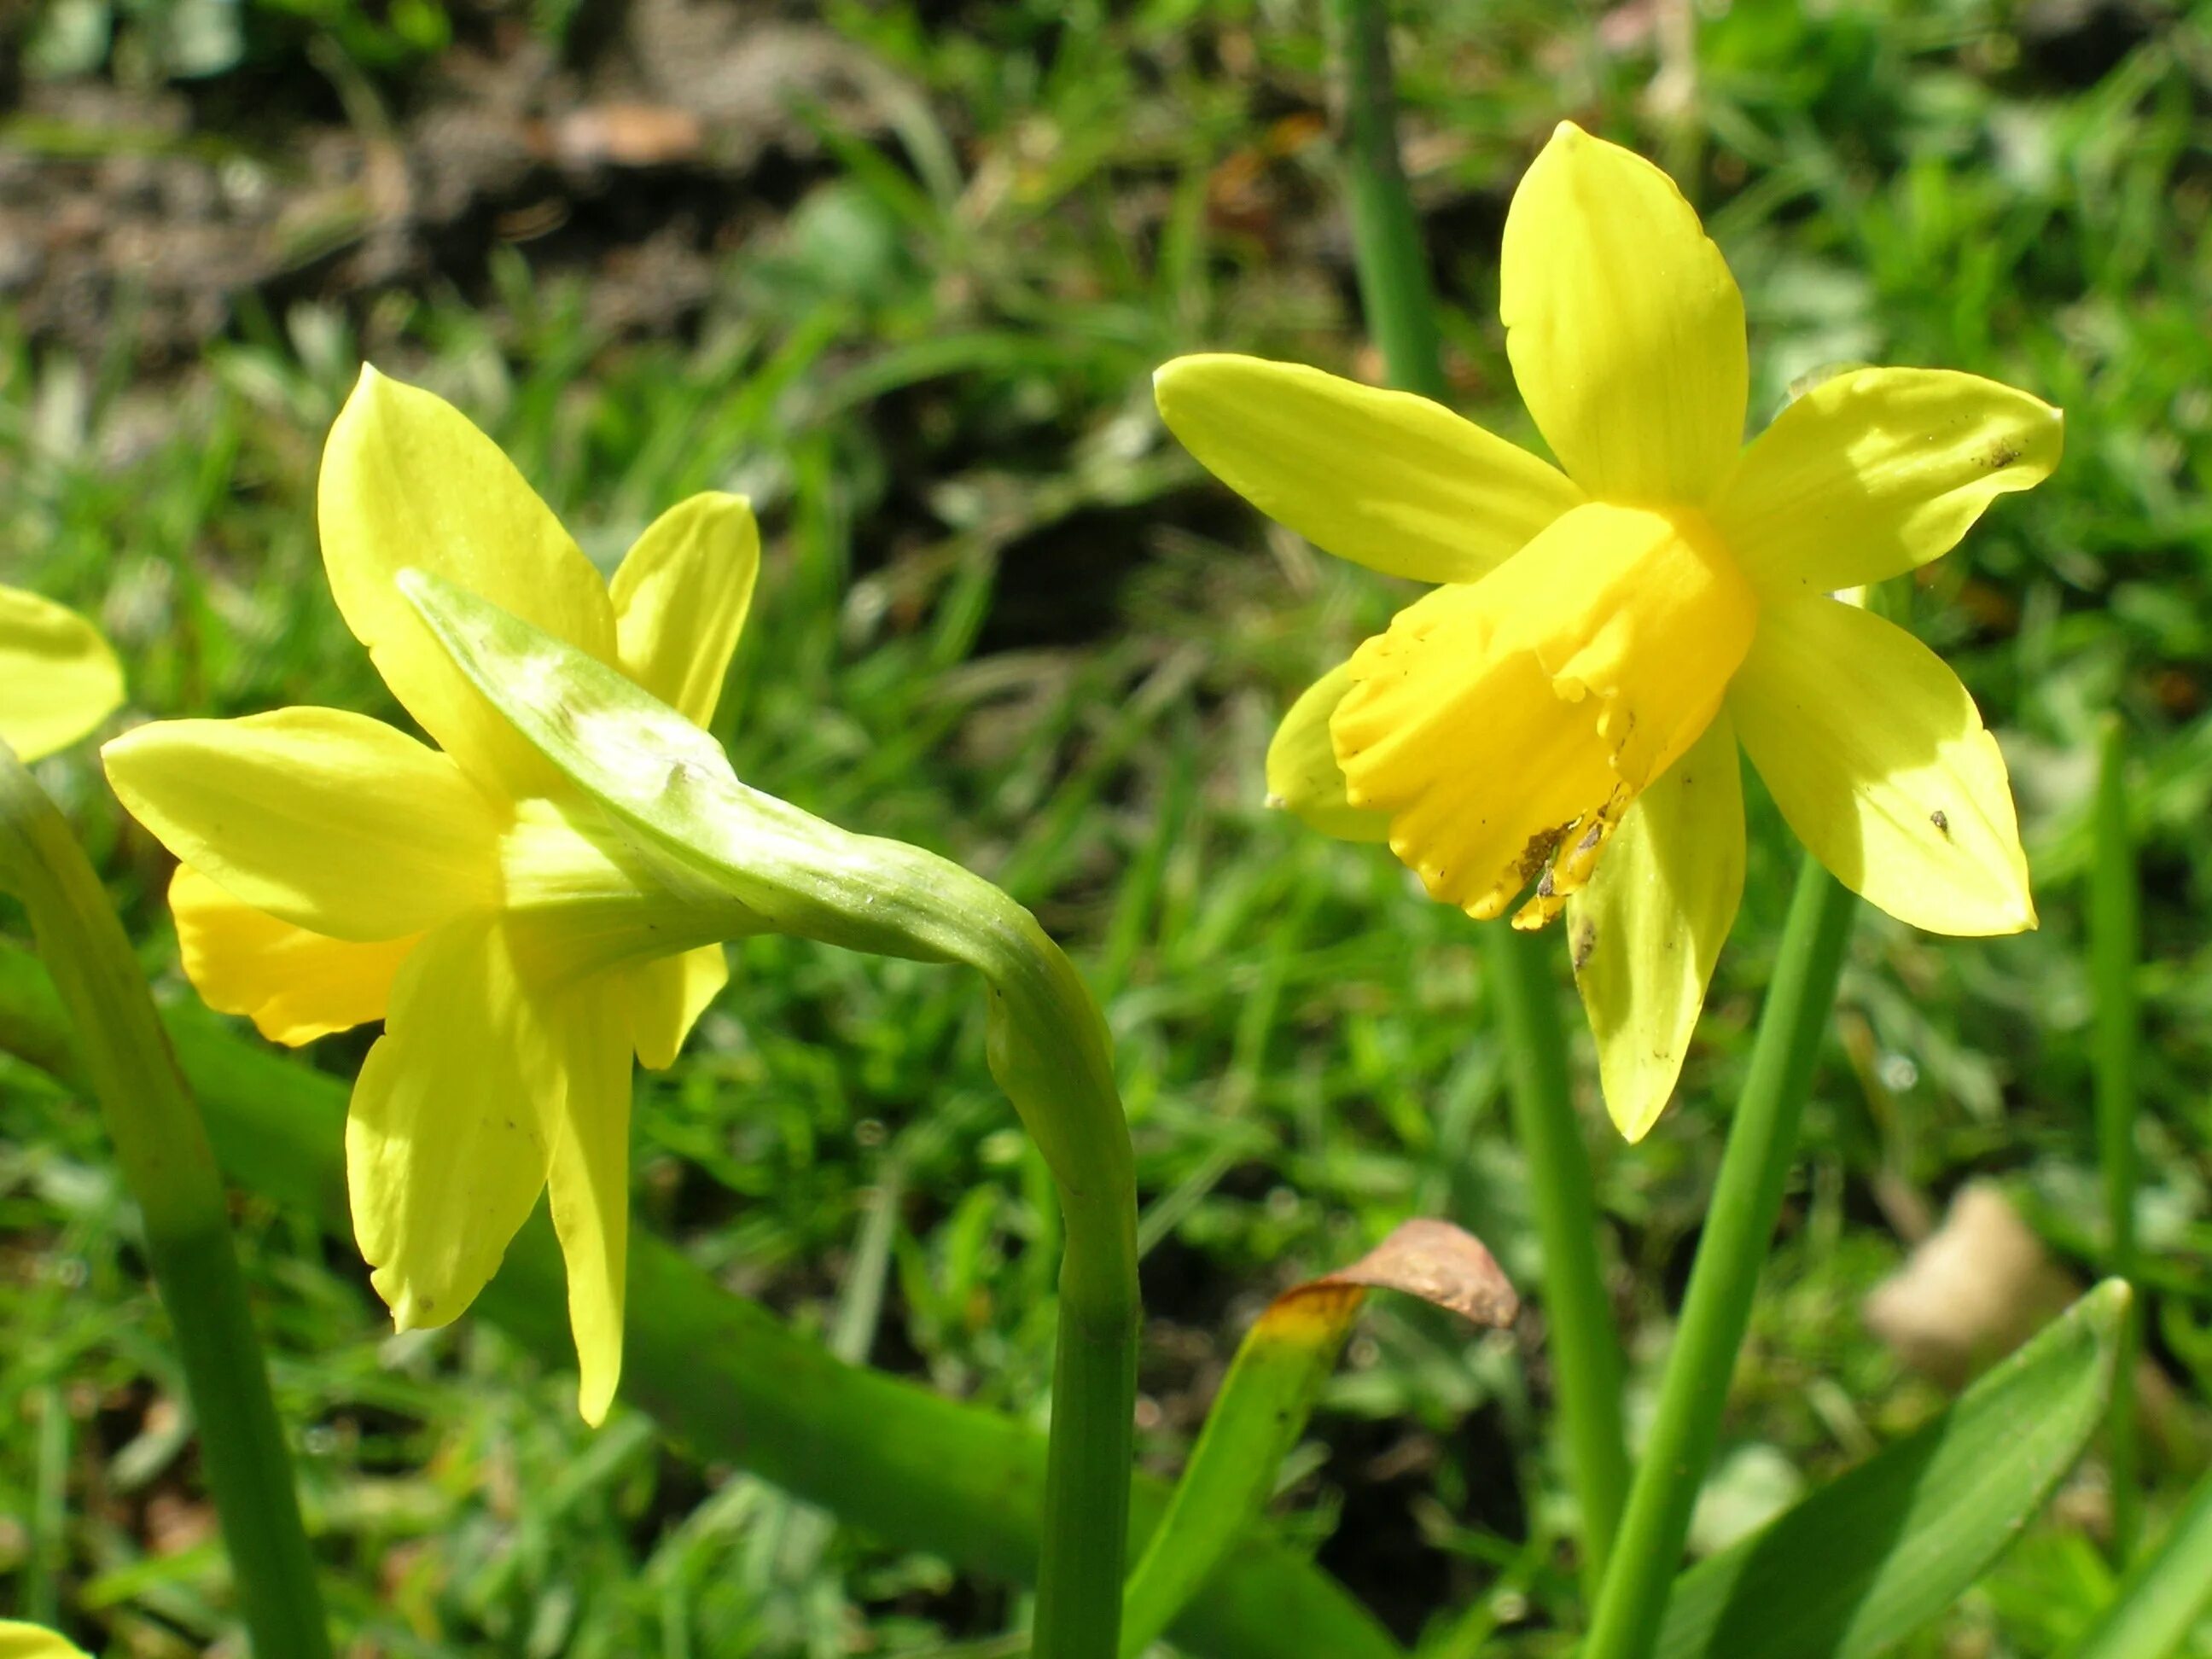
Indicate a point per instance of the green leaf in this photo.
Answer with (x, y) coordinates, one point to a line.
(2165, 1596)
(1871, 1557)
(721, 1374)
(1269, 1394)
(2115, 960)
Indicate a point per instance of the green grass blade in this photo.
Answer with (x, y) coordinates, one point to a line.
(1873, 1556)
(1257, 1418)
(721, 1374)
(1268, 1394)
(2168, 1591)
(2115, 946)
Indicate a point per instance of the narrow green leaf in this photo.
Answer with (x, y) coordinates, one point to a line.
(721, 1374)
(1269, 1394)
(2115, 947)
(1873, 1556)
(2167, 1593)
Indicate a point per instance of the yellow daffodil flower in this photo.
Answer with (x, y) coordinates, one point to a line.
(58, 677)
(335, 870)
(1562, 713)
(22, 1641)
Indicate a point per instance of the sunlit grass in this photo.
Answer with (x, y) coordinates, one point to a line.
(1006, 620)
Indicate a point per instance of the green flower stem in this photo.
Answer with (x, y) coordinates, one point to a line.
(1386, 231)
(2115, 945)
(911, 1468)
(1048, 1048)
(1394, 289)
(669, 788)
(1715, 1309)
(162, 1147)
(1585, 1347)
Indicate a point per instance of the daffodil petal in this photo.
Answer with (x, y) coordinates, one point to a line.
(1386, 479)
(665, 998)
(680, 599)
(1302, 773)
(22, 1641)
(407, 481)
(1878, 470)
(589, 1178)
(331, 821)
(1648, 928)
(446, 1144)
(58, 677)
(295, 986)
(1876, 757)
(1624, 328)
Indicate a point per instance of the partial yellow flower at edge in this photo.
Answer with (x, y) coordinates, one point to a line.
(1561, 715)
(58, 677)
(22, 1641)
(335, 871)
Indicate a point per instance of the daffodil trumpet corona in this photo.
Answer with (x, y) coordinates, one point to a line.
(335, 870)
(1555, 728)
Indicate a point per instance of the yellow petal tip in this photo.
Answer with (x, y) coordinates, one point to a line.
(371, 382)
(410, 1311)
(1165, 377)
(1634, 1126)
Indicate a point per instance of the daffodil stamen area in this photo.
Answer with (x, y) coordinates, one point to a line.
(1505, 725)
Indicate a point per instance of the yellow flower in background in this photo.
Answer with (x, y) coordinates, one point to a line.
(58, 677)
(1559, 717)
(335, 870)
(21, 1641)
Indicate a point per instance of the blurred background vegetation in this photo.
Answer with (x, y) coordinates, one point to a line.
(900, 272)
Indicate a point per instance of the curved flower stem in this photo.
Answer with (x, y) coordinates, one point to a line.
(162, 1147)
(1049, 1050)
(1716, 1307)
(670, 788)
(1394, 289)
